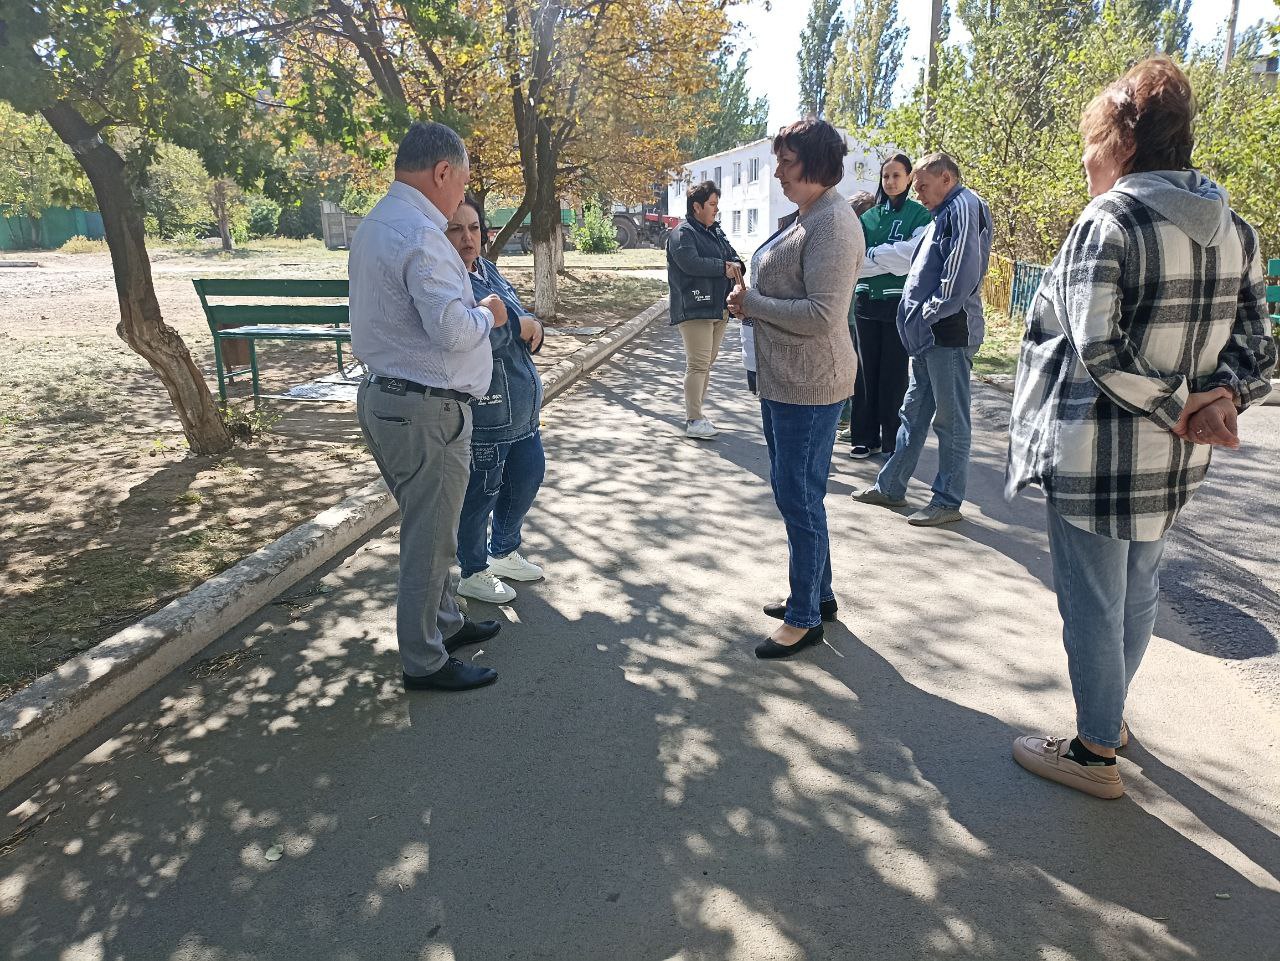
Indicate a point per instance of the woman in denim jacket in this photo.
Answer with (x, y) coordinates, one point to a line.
(507, 461)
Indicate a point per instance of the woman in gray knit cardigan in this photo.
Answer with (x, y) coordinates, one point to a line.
(802, 281)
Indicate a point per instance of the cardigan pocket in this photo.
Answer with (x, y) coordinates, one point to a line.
(800, 365)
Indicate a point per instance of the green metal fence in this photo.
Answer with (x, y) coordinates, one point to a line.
(53, 228)
(1011, 285)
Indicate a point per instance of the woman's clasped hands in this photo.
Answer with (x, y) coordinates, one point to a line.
(1209, 417)
(737, 299)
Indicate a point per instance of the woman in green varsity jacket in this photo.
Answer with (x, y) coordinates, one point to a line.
(893, 228)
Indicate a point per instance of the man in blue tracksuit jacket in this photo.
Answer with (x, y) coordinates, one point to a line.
(941, 325)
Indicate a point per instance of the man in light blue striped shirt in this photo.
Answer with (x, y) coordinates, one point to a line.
(417, 327)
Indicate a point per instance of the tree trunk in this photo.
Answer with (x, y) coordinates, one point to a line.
(931, 70)
(1230, 51)
(545, 230)
(141, 325)
(221, 210)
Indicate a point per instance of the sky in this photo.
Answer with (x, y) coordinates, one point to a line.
(774, 40)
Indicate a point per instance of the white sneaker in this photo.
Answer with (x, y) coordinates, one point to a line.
(515, 567)
(486, 587)
(844, 434)
(701, 429)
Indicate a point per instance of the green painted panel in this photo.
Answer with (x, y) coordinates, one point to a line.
(220, 287)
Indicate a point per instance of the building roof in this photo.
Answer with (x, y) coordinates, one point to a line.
(744, 146)
(722, 153)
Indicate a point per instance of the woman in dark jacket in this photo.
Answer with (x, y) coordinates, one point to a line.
(702, 266)
(507, 461)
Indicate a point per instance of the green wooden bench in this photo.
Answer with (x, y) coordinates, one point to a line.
(1273, 290)
(272, 321)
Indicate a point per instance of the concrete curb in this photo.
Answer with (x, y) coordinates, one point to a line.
(67, 703)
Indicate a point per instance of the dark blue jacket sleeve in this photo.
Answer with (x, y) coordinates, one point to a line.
(958, 245)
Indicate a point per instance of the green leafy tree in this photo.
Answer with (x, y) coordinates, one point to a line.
(175, 193)
(865, 65)
(1165, 23)
(1238, 141)
(1009, 104)
(37, 171)
(728, 115)
(170, 71)
(1007, 107)
(262, 216)
(817, 47)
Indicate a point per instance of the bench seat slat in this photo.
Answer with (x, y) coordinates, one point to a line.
(287, 332)
(250, 287)
(239, 314)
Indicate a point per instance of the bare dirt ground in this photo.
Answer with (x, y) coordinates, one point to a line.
(104, 514)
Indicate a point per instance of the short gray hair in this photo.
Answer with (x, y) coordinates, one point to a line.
(938, 162)
(427, 144)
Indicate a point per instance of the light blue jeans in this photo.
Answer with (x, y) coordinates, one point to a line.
(938, 393)
(1108, 594)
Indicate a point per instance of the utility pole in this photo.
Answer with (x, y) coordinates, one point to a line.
(931, 71)
(1230, 52)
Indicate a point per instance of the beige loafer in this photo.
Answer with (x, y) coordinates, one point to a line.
(1043, 756)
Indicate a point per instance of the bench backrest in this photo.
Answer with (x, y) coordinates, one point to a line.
(223, 315)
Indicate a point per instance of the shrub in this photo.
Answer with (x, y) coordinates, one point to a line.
(83, 245)
(264, 216)
(596, 235)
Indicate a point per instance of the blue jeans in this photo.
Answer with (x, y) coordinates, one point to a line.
(504, 481)
(1108, 594)
(800, 438)
(938, 393)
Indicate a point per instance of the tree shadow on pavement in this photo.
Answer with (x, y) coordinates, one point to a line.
(636, 785)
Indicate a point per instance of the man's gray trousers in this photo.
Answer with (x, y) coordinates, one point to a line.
(422, 445)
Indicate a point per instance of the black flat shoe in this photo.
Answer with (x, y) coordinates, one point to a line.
(454, 676)
(827, 609)
(472, 632)
(769, 649)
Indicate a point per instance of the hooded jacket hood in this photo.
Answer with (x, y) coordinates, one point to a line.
(1186, 198)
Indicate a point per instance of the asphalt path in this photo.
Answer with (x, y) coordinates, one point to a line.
(636, 786)
(1221, 570)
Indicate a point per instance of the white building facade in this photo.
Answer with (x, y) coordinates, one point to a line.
(751, 200)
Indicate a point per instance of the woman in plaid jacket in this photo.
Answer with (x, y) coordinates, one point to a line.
(1145, 340)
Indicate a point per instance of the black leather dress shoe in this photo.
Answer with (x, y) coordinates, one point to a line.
(454, 676)
(769, 649)
(827, 609)
(472, 632)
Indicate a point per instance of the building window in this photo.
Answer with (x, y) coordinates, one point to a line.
(716, 178)
(737, 174)
(737, 222)
(702, 176)
(753, 221)
(753, 169)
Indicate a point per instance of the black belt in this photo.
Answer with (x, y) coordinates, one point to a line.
(398, 385)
